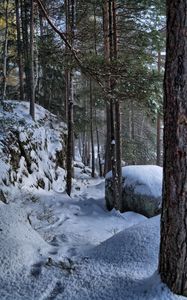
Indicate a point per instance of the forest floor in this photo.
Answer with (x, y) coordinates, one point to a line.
(57, 247)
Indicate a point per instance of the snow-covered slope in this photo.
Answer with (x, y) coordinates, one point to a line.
(123, 267)
(80, 251)
(21, 248)
(31, 153)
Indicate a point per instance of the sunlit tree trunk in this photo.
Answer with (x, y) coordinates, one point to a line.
(5, 52)
(173, 249)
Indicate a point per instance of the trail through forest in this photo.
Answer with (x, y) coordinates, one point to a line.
(73, 248)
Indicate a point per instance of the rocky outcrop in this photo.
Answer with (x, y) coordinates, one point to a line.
(31, 152)
(141, 190)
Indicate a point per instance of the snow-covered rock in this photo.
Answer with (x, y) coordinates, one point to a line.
(142, 189)
(81, 171)
(31, 152)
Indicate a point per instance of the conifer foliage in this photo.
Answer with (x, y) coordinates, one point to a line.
(94, 64)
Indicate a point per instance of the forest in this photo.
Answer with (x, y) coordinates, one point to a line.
(93, 167)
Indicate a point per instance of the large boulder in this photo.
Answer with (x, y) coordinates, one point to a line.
(141, 190)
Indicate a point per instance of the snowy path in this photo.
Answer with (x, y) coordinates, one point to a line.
(56, 247)
(77, 224)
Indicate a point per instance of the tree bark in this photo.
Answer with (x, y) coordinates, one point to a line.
(108, 165)
(32, 77)
(117, 116)
(26, 48)
(70, 23)
(173, 254)
(5, 54)
(113, 141)
(158, 157)
(69, 153)
(91, 130)
(98, 146)
(19, 51)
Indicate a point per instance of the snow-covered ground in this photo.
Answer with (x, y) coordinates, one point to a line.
(57, 247)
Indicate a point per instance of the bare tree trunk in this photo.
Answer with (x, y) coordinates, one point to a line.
(88, 152)
(32, 84)
(91, 130)
(5, 54)
(67, 93)
(98, 146)
(19, 51)
(117, 117)
(173, 254)
(132, 120)
(26, 48)
(142, 126)
(70, 23)
(43, 87)
(108, 165)
(158, 157)
(95, 27)
(83, 145)
(70, 138)
(110, 43)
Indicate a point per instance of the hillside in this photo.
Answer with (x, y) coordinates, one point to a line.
(32, 153)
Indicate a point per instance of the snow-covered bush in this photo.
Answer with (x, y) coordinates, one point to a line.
(141, 191)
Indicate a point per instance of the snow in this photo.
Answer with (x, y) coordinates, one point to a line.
(53, 246)
(145, 179)
(122, 267)
(42, 144)
(57, 247)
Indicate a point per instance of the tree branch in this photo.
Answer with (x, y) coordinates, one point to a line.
(62, 35)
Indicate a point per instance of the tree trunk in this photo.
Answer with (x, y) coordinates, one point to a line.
(32, 85)
(5, 54)
(108, 165)
(19, 52)
(70, 23)
(117, 117)
(95, 27)
(91, 130)
(113, 105)
(70, 137)
(158, 157)
(26, 47)
(98, 146)
(173, 254)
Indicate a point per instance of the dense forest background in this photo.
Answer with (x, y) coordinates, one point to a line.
(39, 67)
